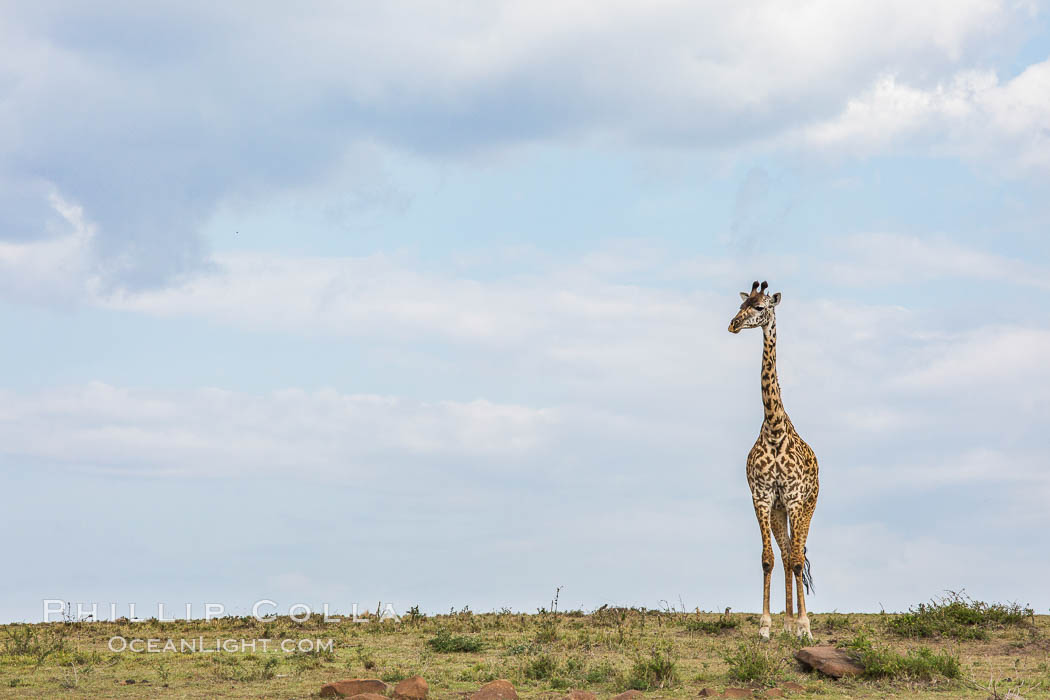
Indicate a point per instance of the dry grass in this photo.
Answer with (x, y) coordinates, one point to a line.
(672, 655)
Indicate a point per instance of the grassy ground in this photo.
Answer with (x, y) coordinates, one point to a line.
(938, 651)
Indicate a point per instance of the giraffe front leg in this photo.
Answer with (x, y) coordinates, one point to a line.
(762, 511)
(800, 531)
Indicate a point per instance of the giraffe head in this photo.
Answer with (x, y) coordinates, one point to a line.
(757, 309)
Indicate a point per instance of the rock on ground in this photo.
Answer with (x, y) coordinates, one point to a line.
(350, 687)
(580, 695)
(496, 690)
(414, 688)
(831, 661)
(630, 695)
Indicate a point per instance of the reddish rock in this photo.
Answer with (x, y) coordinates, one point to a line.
(794, 687)
(353, 686)
(630, 695)
(831, 661)
(773, 693)
(414, 688)
(580, 695)
(496, 690)
(737, 693)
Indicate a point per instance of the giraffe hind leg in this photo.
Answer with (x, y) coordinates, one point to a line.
(779, 525)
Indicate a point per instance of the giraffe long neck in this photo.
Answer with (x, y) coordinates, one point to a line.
(774, 408)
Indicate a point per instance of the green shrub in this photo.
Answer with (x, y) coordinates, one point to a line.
(231, 667)
(480, 673)
(446, 642)
(755, 661)
(721, 624)
(39, 643)
(922, 664)
(658, 670)
(522, 649)
(543, 667)
(600, 673)
(413, 616)
(958, 617)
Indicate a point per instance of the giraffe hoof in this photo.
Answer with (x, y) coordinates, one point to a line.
(764, 624)
(803, 630)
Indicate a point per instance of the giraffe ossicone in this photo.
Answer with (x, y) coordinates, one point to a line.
(781, 471)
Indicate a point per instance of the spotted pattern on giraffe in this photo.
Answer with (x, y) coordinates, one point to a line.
(782, 472)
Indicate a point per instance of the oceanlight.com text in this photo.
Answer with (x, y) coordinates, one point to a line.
(204, 645)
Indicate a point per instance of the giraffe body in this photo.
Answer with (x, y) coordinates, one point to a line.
(781, 471)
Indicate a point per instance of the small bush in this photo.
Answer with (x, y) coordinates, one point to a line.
(560, 683)
(658, 670)
(547, 627)
(314, 658)
(600, 673)
(229, 667)
(574, 665)
(958, 617)
(834, 622)
(921, 664)
(37, 643)
(543, 667)
(723, 623)
(756, 662)
(413, 616)
(449, 643)
(394, 675)
(366, 659)
(547, 632)
(522, 649)
(481, 673)
(163, 670)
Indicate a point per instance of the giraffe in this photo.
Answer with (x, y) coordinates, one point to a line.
(781, 471)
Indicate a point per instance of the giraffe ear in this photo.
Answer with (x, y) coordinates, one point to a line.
(745, 296)
(776, 298)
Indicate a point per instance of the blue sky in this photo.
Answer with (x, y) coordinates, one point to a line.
(428, 305)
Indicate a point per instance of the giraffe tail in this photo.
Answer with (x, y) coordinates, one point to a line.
(807, 576)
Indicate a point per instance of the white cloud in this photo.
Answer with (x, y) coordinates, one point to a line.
(972, 115)
(585, 321)
(210, 432)
(890, 259)
(587, 354)
(987, 357)
(180, 107)
(55, 270)
(985, 467)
